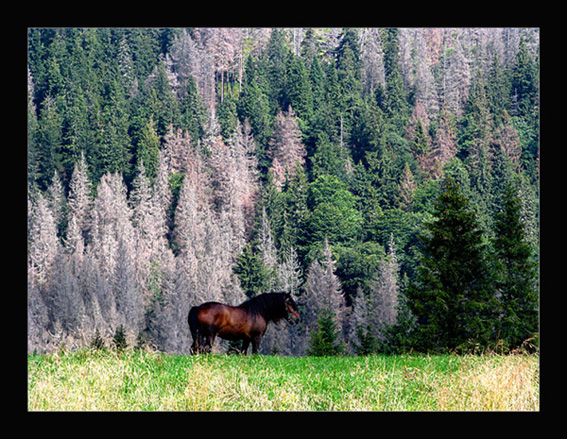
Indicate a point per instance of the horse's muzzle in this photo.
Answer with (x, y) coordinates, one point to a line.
(293, 319)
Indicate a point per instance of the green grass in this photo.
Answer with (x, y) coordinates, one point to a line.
(89, 380)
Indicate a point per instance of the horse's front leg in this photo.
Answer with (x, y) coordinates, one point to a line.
(245, 344)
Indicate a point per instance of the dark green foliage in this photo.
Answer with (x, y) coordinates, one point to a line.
(452, 298)
(516, 275)
(148, 149)
(325, 338)
(251, 272)
(253, 105)
(333, 211)
(97, 343)
(367, 341)
(524, 87)
(119, 339)
(227, 117)
(297, 89)
(141, 341)
(357, 264)
(194, 115)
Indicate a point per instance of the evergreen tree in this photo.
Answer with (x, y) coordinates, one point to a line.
(276, 55)
(334, 213)
(525, 83)
(253, 105)
(452, 298)
(297, 90)
(323, 290)
(193, 113)
(325, 338)
(286, 147)
(119, 339)
(385, 291)
(394, 104)
(48, 141)
(254, 278)
(291, 227)
(148, 149)
(515, 275)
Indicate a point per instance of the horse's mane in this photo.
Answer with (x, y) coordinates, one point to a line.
(271, 306)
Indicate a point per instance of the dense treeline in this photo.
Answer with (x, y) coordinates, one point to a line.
(389, 178)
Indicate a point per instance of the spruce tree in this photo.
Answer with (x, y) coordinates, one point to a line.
(119, 339)
(148, 149)
(253, 276)
(324, 339)
(452, 298)
(515, 275)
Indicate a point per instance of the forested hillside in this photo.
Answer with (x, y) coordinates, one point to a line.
(389, 178)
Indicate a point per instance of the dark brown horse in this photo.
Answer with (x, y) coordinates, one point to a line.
(247, 322)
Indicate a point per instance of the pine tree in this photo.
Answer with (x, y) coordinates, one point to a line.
(268, 251)
(148, 149)
(290, 273)
(444, 144)
(253, 105)
(48, 141)
(119, 339)
(325, 338)
(323, 290)
(452, 298)
(515, 275)
(253, 275)
(372, 58)
(525, 83)
(407, 188)
(297, 91)
(286, 147)
(385, 291)
(362, 335)
(44, 244)
(80, 201)
(334, 212)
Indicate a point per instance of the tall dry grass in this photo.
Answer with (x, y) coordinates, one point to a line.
(495, 383)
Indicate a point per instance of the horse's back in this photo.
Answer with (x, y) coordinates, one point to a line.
(212, 314)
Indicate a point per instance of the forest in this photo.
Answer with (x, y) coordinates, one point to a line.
(388, 178)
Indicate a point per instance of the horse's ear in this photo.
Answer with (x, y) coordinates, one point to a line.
(287, 295)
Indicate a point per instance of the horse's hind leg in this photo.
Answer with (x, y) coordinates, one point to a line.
(245, 344)
(256, 343)
(197, 346)
(208, 344)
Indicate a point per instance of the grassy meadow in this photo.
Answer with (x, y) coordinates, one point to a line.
(105, 380)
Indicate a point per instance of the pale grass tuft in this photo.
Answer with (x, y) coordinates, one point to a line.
(499, 383)
(88, 385)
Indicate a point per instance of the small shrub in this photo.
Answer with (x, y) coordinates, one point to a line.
(368, 341)
(119, 339)
(324, 339)
(141, 342)
(97, 343)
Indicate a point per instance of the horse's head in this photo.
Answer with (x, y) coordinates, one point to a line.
(292, 309)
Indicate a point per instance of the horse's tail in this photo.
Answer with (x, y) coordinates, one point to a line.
(193, 320)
